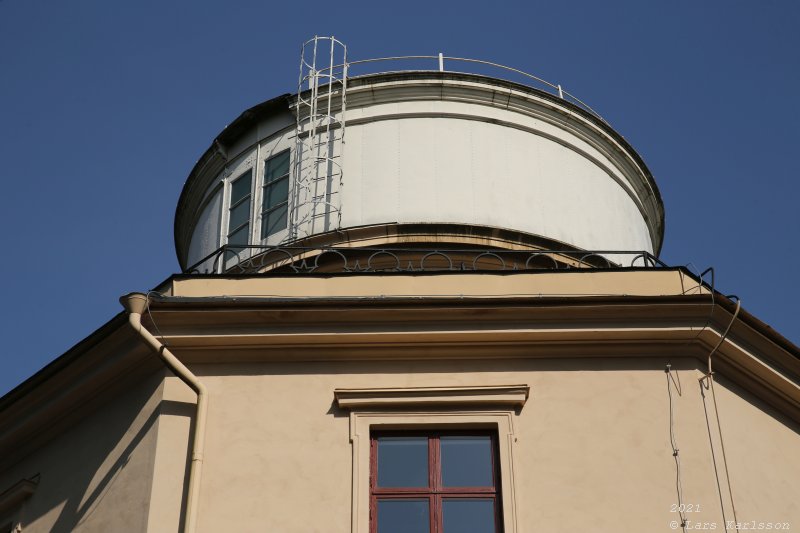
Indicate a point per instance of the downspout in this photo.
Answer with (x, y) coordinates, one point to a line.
(135, 304)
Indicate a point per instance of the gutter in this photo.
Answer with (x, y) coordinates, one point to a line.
(135, 304)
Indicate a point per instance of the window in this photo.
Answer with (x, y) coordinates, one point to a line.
(436, 414)
(239, 210)
(425, 482)
(275, 198)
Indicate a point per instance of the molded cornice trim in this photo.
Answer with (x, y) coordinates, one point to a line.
(439, 396)
(17, 493)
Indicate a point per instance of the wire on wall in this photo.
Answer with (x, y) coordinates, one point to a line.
(674, 443)
(707, 383)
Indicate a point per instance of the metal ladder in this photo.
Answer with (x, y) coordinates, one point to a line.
(315, 201)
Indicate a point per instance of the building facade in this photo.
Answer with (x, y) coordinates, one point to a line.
(413, 301)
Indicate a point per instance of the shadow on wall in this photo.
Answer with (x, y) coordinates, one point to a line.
(103, 467)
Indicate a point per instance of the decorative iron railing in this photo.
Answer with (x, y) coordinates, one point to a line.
(309, 260)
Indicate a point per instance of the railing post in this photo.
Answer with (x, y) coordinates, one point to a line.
(441, 62)
(560, 92)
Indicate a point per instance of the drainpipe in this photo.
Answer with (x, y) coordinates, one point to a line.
(135, 304)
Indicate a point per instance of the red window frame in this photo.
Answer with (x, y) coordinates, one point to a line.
(435, 492)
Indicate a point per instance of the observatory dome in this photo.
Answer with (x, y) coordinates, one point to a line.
(417, 157)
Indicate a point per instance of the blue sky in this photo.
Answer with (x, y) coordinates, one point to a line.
(105, 107)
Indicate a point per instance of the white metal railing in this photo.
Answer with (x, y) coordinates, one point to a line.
(553, 88)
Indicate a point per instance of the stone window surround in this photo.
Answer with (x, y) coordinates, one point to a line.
(480, 407)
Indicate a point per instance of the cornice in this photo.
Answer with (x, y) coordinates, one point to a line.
(17, 493)
(662, 327)
(490, 395)
(231, 330)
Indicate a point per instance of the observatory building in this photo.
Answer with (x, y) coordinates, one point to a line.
(413, 301)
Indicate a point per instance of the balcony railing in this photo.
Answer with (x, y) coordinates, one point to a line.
(412, 259)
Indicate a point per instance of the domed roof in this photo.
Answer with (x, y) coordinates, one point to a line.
(451, 148)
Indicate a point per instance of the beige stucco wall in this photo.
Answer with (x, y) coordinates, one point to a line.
(170, 471)
(592, 450)
(96, 475)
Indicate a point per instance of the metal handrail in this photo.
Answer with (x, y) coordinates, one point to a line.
(554, 88)
(464, 59)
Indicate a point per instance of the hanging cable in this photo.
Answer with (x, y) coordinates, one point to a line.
(725, 334)
(673, 442)
(161, 337)
(712, 292)
(710, 379)
(713, 454)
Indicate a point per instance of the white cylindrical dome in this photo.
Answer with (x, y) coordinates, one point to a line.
(429, 157)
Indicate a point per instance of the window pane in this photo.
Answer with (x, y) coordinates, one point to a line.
(468, 516)
(467, 461)
(403, 462)
(239, 215)
(240, 187)
(277, 166)
(239, 236)
(276, 193)
(274, 221)
(403, 516)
